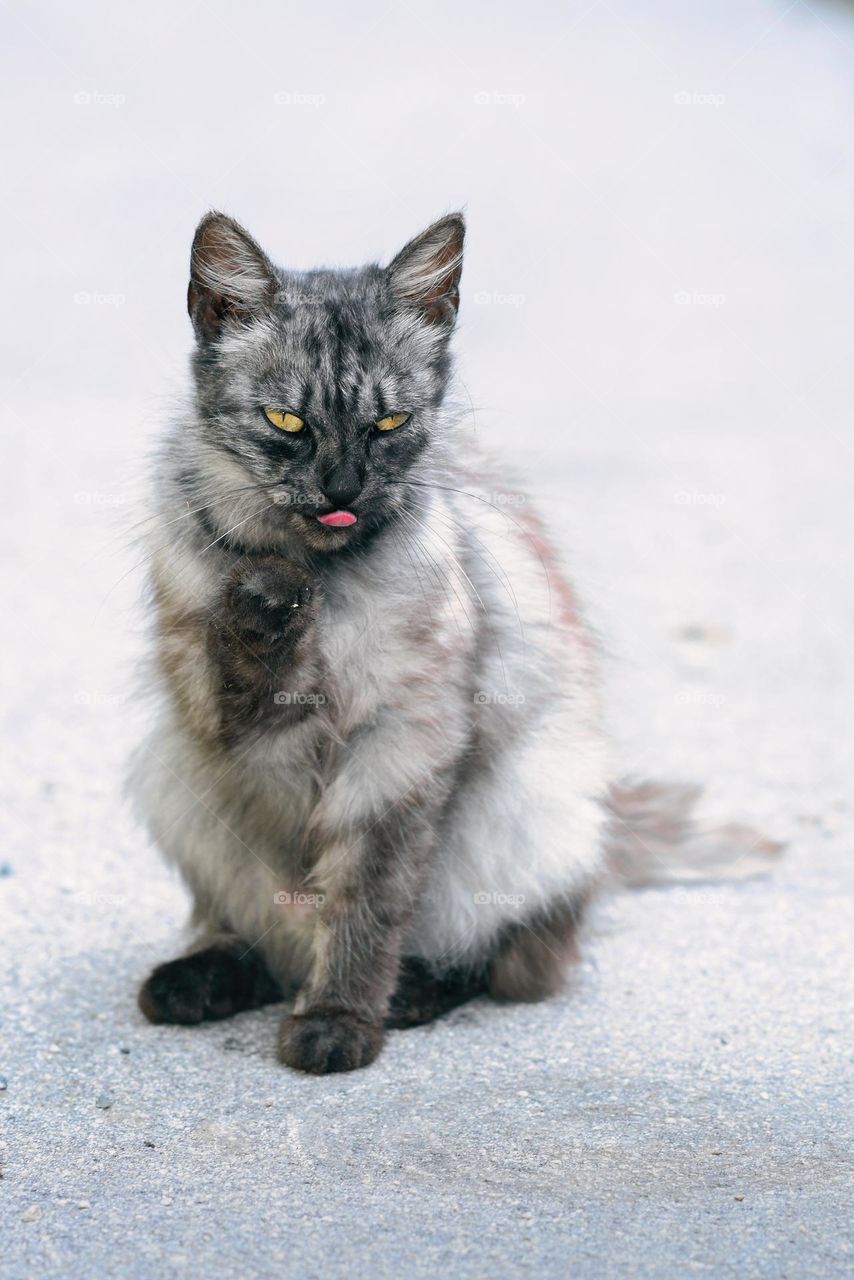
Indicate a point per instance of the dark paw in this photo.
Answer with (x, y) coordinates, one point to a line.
(269, 599)
(206, 986)
(322, 1043)
(422, 996)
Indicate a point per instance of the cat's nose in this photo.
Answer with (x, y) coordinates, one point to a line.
(342, 485)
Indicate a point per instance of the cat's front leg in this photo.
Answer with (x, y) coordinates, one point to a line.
(369, 880)
(261, 639)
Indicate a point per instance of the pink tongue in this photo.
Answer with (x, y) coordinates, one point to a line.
(338, 519)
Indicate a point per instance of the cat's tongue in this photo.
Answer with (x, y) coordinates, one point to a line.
(337, 519)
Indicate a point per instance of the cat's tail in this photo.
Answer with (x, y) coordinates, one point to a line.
(652, 838)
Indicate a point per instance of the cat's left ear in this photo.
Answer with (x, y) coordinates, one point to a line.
(231, 278)
(425, 275)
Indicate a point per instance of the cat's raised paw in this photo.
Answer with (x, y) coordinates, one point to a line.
(323, 1043)
(269, 597)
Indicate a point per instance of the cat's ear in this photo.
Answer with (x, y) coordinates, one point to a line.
(231, 278)
(425, 275)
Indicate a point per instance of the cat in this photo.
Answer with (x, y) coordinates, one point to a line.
(379, 760)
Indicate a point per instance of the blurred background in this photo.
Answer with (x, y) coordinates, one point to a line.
(655, 330)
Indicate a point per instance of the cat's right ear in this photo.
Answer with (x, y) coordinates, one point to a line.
(231, 278)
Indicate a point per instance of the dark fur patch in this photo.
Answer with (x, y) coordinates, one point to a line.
(207, 986)
(259, 640)
(531, 960)
(421, 995)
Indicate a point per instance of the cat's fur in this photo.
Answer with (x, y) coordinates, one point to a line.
(378, 762)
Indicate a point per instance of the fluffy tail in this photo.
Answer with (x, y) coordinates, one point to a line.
(652, 839)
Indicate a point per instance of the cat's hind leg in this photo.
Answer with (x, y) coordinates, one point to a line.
(219, 978)
(532, 956)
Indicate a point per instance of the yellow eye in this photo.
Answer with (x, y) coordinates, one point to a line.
(392, 420)
(285, 421)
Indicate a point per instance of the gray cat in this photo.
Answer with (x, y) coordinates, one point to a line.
(378, 762)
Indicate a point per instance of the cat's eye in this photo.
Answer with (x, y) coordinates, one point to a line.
(392, 420)
(284, 421)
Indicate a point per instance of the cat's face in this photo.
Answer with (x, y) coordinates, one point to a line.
(320, 388)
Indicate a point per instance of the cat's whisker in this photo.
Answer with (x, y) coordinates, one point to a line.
(403, 543)
(133, 535)
(480, 498)
(252, 516)
(460, 567)
(429, 563)
(418, 530)
(190, 551)
(214, 495)
(480, 551)
(185, 559)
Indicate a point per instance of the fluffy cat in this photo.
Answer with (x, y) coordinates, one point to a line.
(378, 761)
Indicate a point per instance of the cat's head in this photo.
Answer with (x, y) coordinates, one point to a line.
(319, 388)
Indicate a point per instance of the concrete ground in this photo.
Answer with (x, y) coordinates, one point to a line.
(685, 1106)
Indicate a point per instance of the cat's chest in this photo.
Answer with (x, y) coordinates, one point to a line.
(382, 652)
(369, 650)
